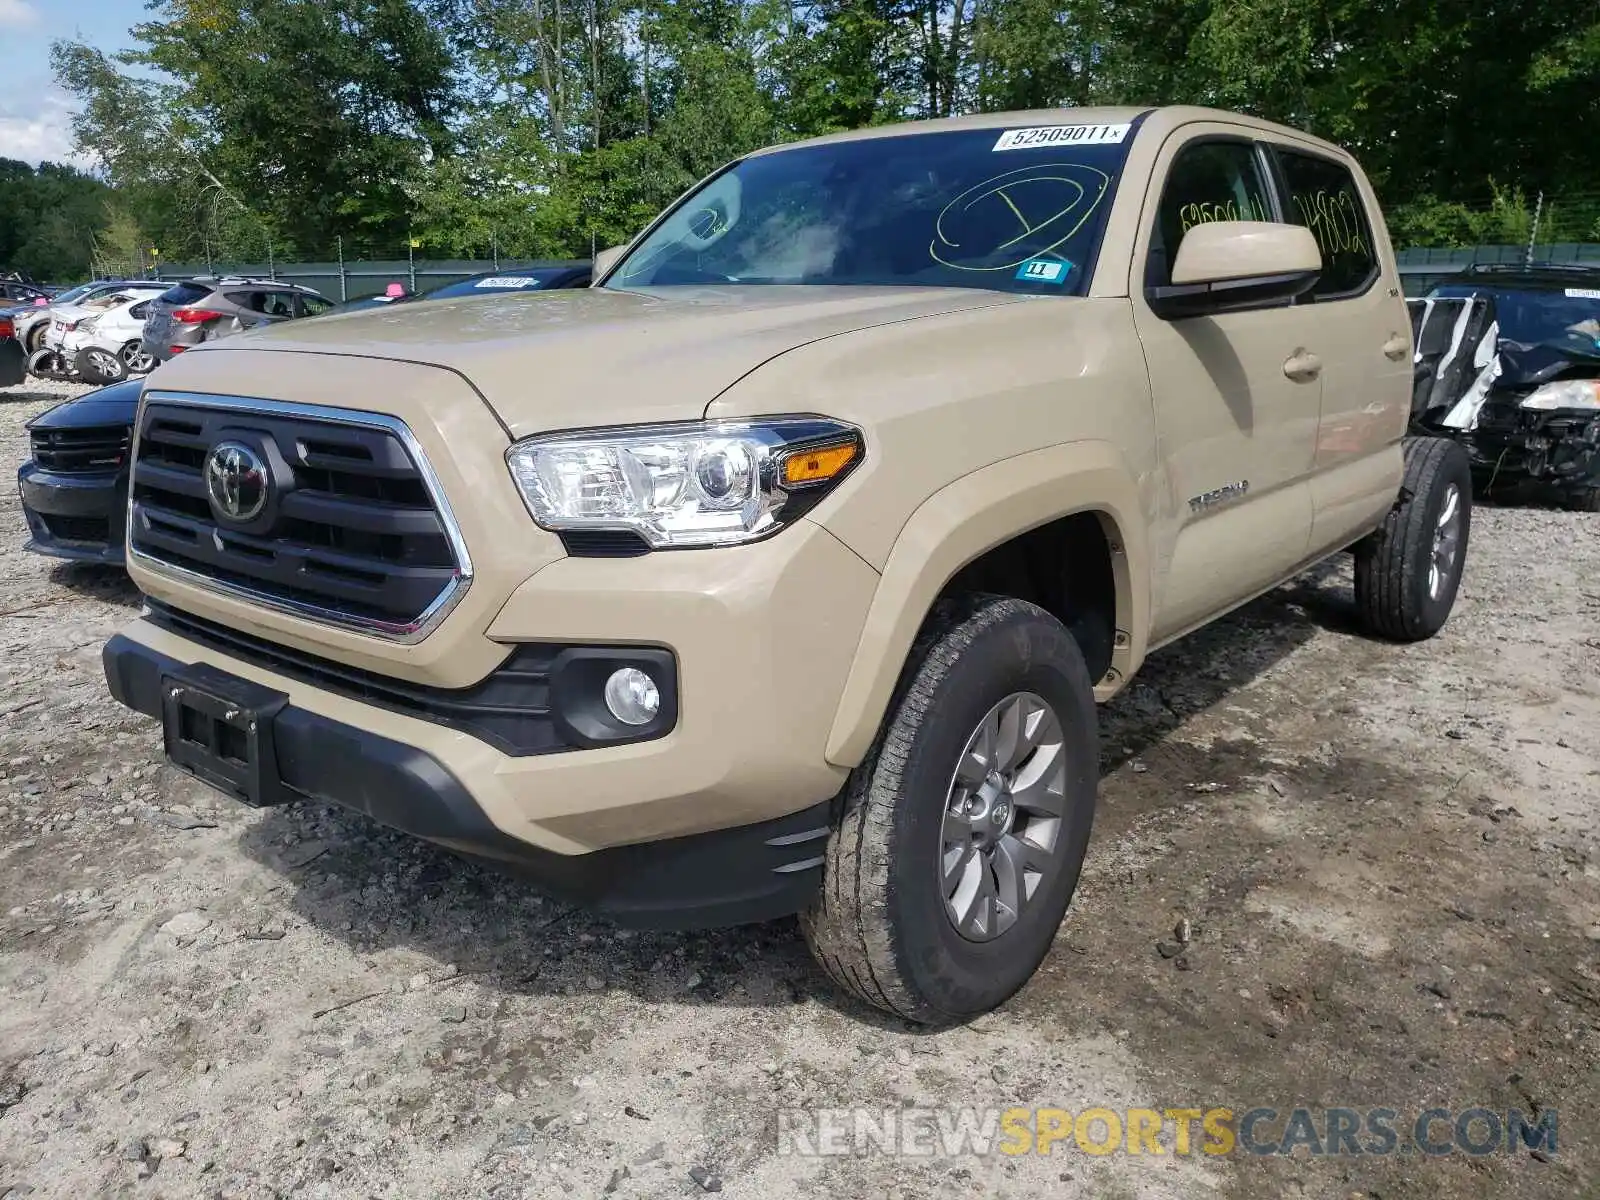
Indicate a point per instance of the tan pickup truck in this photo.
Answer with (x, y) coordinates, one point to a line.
(780, 571)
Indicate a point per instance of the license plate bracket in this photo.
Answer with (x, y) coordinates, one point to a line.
(219, 728)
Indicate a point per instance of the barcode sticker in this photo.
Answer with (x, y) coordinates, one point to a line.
(1061, 135)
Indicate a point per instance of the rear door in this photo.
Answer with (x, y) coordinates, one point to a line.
(1236, 407)
(1363, 339)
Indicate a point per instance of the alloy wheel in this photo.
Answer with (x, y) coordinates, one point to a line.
(1003, 815)
(1446, 543)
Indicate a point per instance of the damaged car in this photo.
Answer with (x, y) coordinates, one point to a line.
(1507, 362)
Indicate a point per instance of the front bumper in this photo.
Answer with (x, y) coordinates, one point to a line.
(728, 877)
(732, 796)
(1558, 447)
(74, 516)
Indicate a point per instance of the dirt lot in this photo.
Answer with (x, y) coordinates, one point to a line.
(1386, 857)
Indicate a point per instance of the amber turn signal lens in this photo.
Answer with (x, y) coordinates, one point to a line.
(814, 466)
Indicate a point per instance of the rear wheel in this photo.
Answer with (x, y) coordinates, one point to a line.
(1409, 569)
(98, 365)
(965, 828)
(135, 359)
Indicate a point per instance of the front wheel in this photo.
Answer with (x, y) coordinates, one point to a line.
(48, 364)
(1409, 569)
(964, 830)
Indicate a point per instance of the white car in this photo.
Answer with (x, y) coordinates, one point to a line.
(100, 337)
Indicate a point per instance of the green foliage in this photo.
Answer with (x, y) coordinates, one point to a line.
(546, 127)
(47, 219)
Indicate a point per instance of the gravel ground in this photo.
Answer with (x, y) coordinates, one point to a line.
(1384, 860)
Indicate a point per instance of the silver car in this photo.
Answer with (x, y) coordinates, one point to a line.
(32, 319)
(205, 308)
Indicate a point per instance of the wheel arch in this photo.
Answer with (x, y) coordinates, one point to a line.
(1064, 489)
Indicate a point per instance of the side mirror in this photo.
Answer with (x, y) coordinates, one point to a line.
(1225, 265)
(605, 260)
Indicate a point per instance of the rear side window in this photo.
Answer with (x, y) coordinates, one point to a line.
(1323, 197)
(184, 293)
(1208, 181)
(277, 304)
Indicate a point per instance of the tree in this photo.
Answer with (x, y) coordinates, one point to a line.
(48, 218)
(545, 127)
(315, 112)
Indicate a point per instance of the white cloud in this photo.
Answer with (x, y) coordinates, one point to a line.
(17, 14)
(38, 127)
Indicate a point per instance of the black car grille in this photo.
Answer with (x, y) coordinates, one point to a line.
(94, 530)
(510, 710)
(350, 533)
(80, 451)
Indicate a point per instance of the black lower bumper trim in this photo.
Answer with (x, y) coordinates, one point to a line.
(74, 515)
(704, 881)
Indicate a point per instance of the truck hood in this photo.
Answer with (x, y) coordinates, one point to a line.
(598, 356)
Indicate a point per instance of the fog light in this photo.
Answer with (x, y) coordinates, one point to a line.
(632, 696)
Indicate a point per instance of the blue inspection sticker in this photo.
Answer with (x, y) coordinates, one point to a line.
(1044, 270)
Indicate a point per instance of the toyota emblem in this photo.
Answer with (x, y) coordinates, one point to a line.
(237, 481)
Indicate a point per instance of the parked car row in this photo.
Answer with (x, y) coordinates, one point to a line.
(75, 485)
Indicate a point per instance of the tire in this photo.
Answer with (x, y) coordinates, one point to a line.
(36, 337)
(1406, 576)
(47, 364)
(101, 366)
(135, 359)
(881, 926)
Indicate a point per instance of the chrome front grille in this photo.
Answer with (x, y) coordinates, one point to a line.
(355, 531)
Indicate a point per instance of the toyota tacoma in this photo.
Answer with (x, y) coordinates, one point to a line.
(780, 571)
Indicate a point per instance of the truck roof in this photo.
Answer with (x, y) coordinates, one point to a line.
(1166, 118)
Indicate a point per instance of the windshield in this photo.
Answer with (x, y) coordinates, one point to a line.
(67, 297)
(1011, 209)
(1569, 318)
(522, 279)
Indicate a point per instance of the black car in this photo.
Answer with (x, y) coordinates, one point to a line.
(540, 277)
(1508, 362)
(75, 488)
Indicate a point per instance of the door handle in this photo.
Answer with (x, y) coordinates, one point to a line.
(1302, 366)
(1396, 347)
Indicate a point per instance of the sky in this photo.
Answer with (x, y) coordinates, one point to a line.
(35, 115)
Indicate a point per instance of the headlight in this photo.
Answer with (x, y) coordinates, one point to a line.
(701, 483)
(1571, 393)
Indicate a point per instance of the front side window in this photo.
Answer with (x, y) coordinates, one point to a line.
(313, 305)
(1208, 181)
(1007, 209)
(1323, 197)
